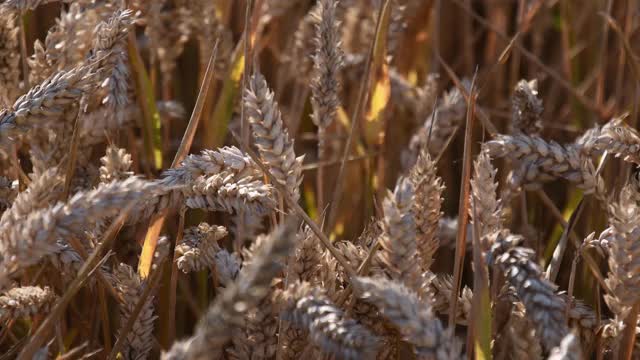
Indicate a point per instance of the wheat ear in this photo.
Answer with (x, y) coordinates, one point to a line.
(271, 136)
(428, 188)
(251, 287)
(414, 318)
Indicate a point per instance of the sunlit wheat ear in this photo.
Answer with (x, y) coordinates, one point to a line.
(67, 43)
(110, 50)
(130, 287)
(356, 254)
(544, 308)
(419, 99)
(35, 235)
(439, 289)
(47, 102)
(328, 61)
(305, 263)
(539, 161)
(414, 318)
(257, 337)
(216, 194)
(399, 249)
(223, 180)
(428, 188)
(486, 209)
(202, 19)
(526, 108)
(9, 58)
(165, 38)
(42, 192)
(251, 286)
(25, 301)
(302, 52)
(616, 137)
(328, 327)
(199, 247)
(438, 126)
(271, 136)
(623, 279)
(116, 164)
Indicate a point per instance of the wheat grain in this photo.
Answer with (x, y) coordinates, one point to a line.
(226, 180)
(41, 193)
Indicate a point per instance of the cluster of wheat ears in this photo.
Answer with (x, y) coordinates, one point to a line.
(419, 213)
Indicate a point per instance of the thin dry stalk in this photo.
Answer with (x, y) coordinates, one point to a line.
(463, 207)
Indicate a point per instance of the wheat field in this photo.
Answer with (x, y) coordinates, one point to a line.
(319, 179)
